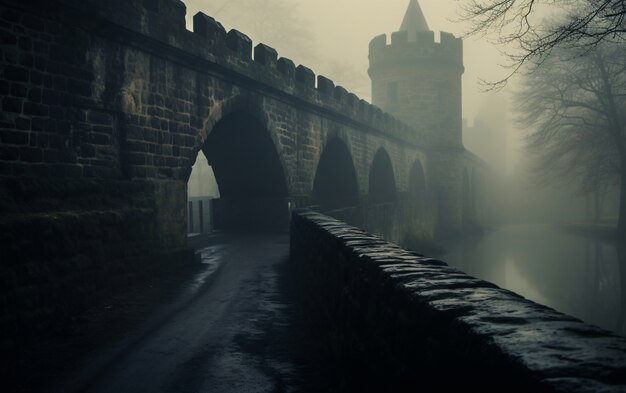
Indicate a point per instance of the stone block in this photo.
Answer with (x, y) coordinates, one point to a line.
(340, 93)
(208, 27)
(287, 67)
(399, 38)
(265, 55)
(240, 44)
(325, 85)
(305, 76)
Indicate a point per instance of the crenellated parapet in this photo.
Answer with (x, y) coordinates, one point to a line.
(162, 25)
(419, 50)
(418, 79)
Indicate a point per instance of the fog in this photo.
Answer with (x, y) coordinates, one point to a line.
(332, 37)
(180, 217)
(563, 217)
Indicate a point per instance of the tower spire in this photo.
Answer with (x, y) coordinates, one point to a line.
(414, 19)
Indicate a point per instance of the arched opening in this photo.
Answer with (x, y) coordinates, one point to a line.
(417, 185)
(201, 191)
(335, 183)
(249, 175)
(382, 187)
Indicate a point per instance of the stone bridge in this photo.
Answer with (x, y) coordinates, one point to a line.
(105, 107)
(122, 90)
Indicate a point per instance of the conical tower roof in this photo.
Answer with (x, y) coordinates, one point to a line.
(414, 19)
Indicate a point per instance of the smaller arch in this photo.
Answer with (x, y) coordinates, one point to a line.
(382, 183)
(335, 184)
(417, 183)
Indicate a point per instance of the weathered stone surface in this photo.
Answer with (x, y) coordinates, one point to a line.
(417, 321)
(116, 98)
(121, 90)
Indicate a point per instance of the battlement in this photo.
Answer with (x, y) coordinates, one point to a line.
(161, 23)
(419, 48)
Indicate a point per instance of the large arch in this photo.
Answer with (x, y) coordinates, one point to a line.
(249, 174)
(417, 184)
(382, 183)
(335, 183)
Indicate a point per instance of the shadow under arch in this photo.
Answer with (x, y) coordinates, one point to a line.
(417, 185)
(248, 171)
(335, 184)
(382, 183)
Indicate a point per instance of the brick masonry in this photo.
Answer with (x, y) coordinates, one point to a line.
(121, 90)
(405, 320)
(105, 106)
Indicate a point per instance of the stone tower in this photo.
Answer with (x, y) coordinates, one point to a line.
(418, 80)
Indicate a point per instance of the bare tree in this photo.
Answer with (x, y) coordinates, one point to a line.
(524, 36)
(576, 103)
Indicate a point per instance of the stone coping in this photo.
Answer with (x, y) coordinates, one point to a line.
(493, 330)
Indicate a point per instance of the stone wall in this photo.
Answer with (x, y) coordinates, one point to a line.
(121, 90)
(398, 319)
(64, 246)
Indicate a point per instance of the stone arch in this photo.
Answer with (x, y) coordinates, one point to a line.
(247, 104)
(382, 183)
(335, 184)
(417, 184)
(248, 168)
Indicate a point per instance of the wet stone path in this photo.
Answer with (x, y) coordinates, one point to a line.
(233, 326)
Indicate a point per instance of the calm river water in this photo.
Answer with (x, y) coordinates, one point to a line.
(574, 274)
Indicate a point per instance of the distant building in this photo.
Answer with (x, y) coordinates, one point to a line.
(202, 180)
(418, 79)
(201, 188)
(487, 136)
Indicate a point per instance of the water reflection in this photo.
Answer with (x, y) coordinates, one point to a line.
(576, 275)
